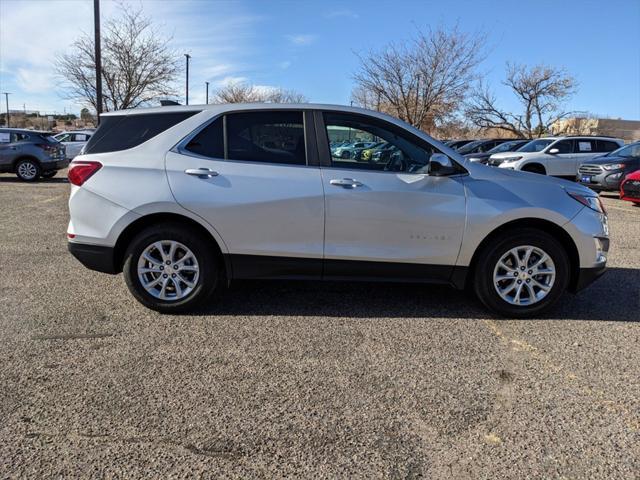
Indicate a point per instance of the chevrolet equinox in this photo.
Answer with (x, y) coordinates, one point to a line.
(185, 199)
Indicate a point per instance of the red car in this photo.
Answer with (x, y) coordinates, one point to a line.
(630, 188)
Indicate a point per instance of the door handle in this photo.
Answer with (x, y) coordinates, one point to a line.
(345, 182)
(201, 172)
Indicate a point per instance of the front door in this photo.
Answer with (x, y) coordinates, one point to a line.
(257, 190)
(562, 163)
(385, 217)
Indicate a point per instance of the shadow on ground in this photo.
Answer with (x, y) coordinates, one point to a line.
(613, 297)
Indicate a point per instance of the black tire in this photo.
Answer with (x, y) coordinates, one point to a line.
(535, 168)
(210, 268)
(50, 174)
(490, 255)
(28, 165)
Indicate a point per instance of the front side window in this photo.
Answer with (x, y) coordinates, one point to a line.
(563, 146)
(370, 144)
(269, 137)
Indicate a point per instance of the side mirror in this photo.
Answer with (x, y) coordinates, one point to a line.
(553, 151)
(440, 165)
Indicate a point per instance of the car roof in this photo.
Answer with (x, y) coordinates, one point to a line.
(230, 107)
(23, 130)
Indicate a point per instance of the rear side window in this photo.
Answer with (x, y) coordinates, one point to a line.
(121, 132)
(585, 146)
(269, 137)
(606, 146)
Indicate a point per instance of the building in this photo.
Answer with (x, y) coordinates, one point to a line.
(628, 130)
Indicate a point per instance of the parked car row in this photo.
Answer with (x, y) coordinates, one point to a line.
(32, 154)
(601, 163)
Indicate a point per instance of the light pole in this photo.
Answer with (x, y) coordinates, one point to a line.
(98, 55)
(207, 96)
(6, 97)
(187, 84)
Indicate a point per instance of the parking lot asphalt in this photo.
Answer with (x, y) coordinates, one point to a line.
(307, 380)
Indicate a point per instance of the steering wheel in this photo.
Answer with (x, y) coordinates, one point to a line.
(396, 163)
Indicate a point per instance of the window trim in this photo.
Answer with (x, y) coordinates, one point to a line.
(324, 151)
(311, 154)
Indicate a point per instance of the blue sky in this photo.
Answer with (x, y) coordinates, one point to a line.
(311, 46)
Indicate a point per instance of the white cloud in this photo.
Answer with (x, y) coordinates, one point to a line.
(301, 39)
(219, 51)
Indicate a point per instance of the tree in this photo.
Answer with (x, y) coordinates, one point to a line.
(541, 90)
(240, 92)
(423, 81)
(138, 66)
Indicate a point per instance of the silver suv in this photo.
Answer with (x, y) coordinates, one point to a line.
(30, 154)
(183, 200)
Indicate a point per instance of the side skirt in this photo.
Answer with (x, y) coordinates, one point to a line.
(291, 268)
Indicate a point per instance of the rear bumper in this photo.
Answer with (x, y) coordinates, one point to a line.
(57, 165)
(586, 276)
(95, 257)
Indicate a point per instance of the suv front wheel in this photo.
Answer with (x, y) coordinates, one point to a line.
(522, 274)
(171, 268)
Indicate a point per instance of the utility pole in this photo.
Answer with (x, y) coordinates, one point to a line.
(207, 102)
(98, 55)
(187, 84)
(6, 97)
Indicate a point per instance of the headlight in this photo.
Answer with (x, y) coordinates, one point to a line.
(474, 159)
(511, 159)
(594, 203)
(613, 166)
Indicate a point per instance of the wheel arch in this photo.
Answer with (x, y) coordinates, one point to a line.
(148, 220)
(534, 167)
(24, 157)
(543, 225)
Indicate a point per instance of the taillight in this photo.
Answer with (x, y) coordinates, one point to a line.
(80, 172)
(46, 147)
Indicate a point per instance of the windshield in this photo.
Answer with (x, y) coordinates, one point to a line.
(469, 147)
(628, 151)
(536, 145)
(504, 147)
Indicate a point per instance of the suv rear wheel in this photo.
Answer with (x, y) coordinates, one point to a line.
(522, 274)
(28, 170)
(171, 268)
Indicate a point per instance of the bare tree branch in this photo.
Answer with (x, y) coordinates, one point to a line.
(423, 82)
(138, 66)
(239, 92)
(541, 90)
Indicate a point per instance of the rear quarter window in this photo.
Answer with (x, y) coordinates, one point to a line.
(121, 132)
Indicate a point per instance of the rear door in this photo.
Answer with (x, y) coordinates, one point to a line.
(260, 188)
(585, 149)
(385, 217)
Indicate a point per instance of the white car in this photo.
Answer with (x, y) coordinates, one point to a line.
(185, 199)
(73, 141)
(556, 156)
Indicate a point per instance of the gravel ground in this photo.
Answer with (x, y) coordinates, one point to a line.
(296, 379)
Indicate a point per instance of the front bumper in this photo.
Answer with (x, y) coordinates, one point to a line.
(605, 181)
(57, 165)
(95, 257)
(586, 276)
(630, 190)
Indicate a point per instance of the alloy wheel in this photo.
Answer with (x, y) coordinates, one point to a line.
(27, 170)
(168, 270)
(524, 275)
